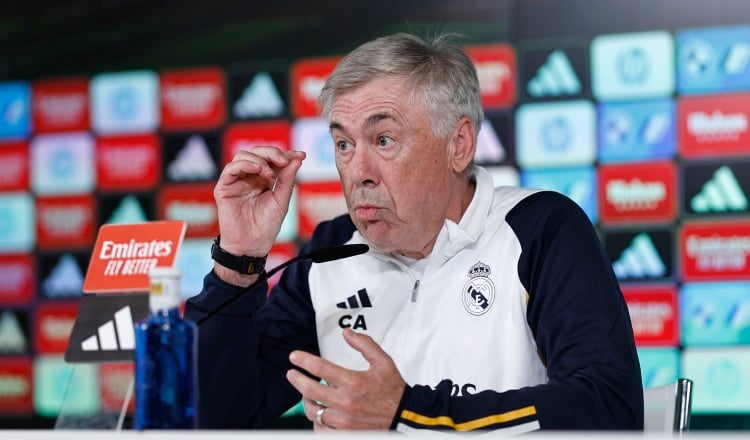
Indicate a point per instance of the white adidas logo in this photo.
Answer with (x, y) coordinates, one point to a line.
(639, 260)
(555, 77)
(721, 193)
(128, 211)
(12, 339)
(117, 334)
(65, 279)
(259, 99)
(193, 162)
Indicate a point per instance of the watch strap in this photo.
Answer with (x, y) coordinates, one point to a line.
(243, 264)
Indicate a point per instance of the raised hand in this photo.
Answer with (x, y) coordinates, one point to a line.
(252, 197)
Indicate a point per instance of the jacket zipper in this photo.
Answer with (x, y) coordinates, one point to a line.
(414, 291)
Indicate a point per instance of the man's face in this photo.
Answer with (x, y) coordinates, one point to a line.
(397, 177)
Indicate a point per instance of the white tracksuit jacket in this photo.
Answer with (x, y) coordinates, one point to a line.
(516, 323)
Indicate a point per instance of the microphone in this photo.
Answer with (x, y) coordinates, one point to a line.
(319, 255)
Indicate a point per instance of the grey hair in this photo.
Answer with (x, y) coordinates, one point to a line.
(443, 77)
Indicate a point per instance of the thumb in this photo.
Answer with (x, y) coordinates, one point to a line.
(366, 346)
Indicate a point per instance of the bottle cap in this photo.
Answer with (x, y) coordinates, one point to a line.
(165, 288)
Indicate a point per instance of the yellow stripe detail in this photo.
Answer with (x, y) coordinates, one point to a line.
(472, 424)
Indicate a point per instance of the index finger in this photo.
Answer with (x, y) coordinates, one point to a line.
(276, 156)
(318, 367)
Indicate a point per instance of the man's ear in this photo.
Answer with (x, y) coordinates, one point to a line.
(464, 145)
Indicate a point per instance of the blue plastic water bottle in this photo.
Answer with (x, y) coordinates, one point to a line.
(166, 345)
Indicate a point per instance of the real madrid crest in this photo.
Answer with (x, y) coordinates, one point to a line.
(479, 291)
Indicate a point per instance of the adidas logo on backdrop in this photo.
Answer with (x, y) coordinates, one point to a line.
(721, 193)
(640, 259)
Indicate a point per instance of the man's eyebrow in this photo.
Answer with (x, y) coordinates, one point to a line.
(377, 117)
(369, 122)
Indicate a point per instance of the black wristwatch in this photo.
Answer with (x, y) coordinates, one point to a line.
(242, 264)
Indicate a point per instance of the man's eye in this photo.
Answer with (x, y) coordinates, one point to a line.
(343, 145)
(385, 141)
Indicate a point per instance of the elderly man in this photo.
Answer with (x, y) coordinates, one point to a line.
(475, 308)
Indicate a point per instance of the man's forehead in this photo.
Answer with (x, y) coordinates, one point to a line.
(376, 101)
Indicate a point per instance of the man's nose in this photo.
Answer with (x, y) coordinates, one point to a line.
(364, 167)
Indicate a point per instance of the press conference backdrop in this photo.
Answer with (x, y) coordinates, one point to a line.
(637, 110)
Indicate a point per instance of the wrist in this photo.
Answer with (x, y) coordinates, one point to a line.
(232, 277)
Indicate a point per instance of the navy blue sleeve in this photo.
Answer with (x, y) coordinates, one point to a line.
(243, 351)
(581, 327)
(579, 318)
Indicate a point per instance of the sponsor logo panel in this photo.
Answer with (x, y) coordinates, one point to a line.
(642, 255)
(318, 201)
(125, 102)
(715, 189)
(577, 183)
(246, 135)
(192, 98)
(496, 70)
(653, 312)
(637, 192)
(103, 330)
(15, 118)
(637, 131)
(721, 379)
(61, 274)
(14, 332)
(556, 134)
(125, 208)
(55, 384)
(632, 66)
(123, 255)
(17, 228)
(553, 73)
(715, 313)
(128, 163)
(192, 203)
(63, 164)
(52, 325)
(60, 105)
(16, 386)
(258, 93)
(715, 251)
(714, 125)
(307, 78)
(191, 157)
(713, 59)
(19, 279)
(65, 221)
(14, 167)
